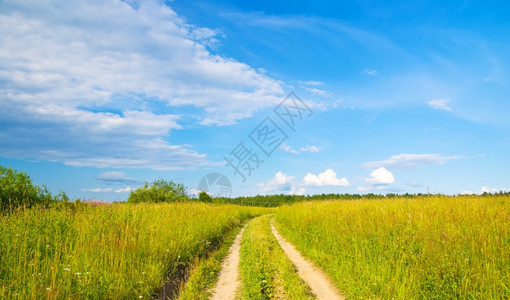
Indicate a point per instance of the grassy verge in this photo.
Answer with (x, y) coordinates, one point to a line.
(428, 248)
(118, 251)
(266, 271)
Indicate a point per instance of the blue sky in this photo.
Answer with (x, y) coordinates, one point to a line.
(99, 96)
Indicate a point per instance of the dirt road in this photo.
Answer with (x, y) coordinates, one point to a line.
(319, 283)
(228, 280)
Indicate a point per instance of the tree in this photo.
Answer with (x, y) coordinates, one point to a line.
(204, 197)
(160, 191)
(16, 189)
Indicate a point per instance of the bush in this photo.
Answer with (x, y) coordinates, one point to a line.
(17, 190)
(160, 191)
(204, 197)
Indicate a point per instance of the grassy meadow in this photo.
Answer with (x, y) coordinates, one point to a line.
(117, 251)
(435, 247)
(425, 248)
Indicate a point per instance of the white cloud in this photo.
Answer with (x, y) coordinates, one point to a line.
(306, 148)
(312, 180)
(311, 83)
(489, 190)
(124, 190)
(326, 178)
(97, 190)
(319, 92)
(370, 72)
(312, 149)
(81, 83)
(407, 161)
(441, 104)
(297, 191)
(288, 149)
(380, 176)
(280, 181)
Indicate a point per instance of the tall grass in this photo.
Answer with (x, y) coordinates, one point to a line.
(426, 248)
(116, 251)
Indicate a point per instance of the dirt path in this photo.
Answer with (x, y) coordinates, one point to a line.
(319, 283)
(228, 279)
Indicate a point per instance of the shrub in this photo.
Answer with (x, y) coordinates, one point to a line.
(160, 191)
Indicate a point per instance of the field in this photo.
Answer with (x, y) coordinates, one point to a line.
(111, 251)
(433, 247)
(428, 248)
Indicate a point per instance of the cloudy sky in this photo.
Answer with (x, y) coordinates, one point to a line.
(97, 97)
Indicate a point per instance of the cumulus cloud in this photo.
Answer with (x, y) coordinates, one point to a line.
(81, 82)
(326, 178)
(279, 182)
(441, 104)
(407, 161)
(380, 176)
(297, 191)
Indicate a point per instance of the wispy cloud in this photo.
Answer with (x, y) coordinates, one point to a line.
(370, 72)
(108, 190)
(441, 104)
(114, 177)
(311, 83)
(407, 161)
(98, 190)
(318, 92)
(309, 148)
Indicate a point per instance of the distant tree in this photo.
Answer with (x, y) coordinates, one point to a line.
(17, 190)
(204, 197)
(160, 191)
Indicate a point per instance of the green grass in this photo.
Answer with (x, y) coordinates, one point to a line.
(266, 271)
(118, 251)
(427, 248)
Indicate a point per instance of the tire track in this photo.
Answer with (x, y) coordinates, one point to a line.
(318, 281)
(228, 279)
